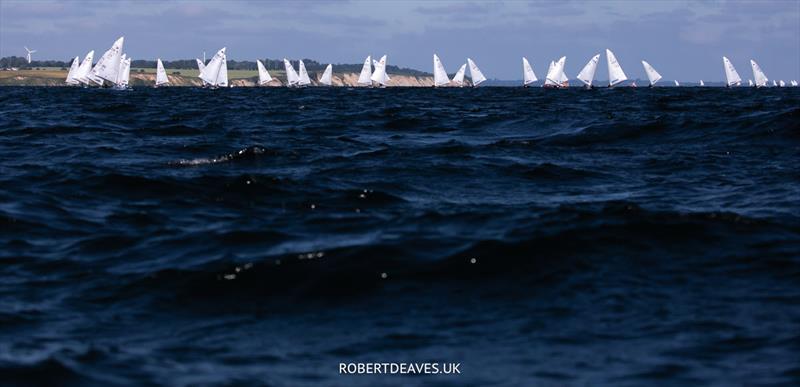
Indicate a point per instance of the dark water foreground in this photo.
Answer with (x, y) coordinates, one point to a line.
(537, 237)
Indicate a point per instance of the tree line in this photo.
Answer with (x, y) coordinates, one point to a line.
(187, 64)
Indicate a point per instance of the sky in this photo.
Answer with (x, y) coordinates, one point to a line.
(683, 40)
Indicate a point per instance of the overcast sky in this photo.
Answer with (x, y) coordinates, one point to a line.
(683, 40)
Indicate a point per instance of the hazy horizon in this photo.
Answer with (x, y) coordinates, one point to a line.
(683, 40)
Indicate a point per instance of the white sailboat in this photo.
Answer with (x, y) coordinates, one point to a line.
(215, 74)
(702, 83)
(303, 80)
(85, 68)
(587, 74)
(758, 75)
(124, 73)
(107, 68)
(475, 73)
(676, 83)
(652, 75)
(794, 83)
(750, 82)
(379, 75)
(440, 77)
(458, 79)
(615, 73)
(781, 83)
(291, 76)
(556, 77)
(200, 67)
(366, 72)
(774, 84)
(327, 76)
(731, 76)
(263, 74)
(71, 80)
(528, 76)
(161, 74)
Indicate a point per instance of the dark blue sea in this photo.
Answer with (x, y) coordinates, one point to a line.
(261, 237)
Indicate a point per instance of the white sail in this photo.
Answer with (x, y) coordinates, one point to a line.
(85, 68)
(702, 83)
(366, 72)
(774, 83)
(263, 74)
(562, 76)
(124, 73)
(652, 74)
(118, 82)
(556, 75)
(327, 75)
(161, 74)
(615, 73)
(108, 66)
(200, 65)
(458, 79)
(781, 83)
(587, 74)
(731, 76)
(440, 77)
(750, 82)
(216, 71)
(475, 73)
(303, 80)
(528, 76)
(758, 75)
(291, 76)
(379, 75)
(794, 83)
(73, 70)
(548, 79)
(676, 83)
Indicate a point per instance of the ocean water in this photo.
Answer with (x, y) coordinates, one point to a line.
(184, 236)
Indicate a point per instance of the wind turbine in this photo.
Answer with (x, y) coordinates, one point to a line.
(29, 54)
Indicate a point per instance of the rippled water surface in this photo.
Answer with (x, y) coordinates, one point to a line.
(262, 236)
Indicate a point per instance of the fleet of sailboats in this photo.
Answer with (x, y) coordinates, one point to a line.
(113, 70)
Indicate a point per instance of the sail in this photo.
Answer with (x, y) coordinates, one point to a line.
(562, 76)
(615, 73)
(73, 70)
(556, 75)
(440, 77)
(326, 76)
(528, 75)
(161, 74)
(291, 75)
(676, 83)
(587, 74)
(303, 79)
(652, 74)
(108, 66)
(121, 67)
(212, 73)
(750, 82)
(794, 83)
(475, 73)
(774, 83)
(379, 75)
(781, 83)
(366, 72)
(458, 79)
(731, 76)
(85, 68)
(758, 75)
(263, 74)
(200, 65)
(124, 73)
(222, 77)
(702, 83)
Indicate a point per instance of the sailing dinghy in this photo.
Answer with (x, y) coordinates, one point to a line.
(291, 76)
(327, 76)
(652, 75)
(731, 76)
(677, 84)
(702, 83)
(263, 74)
(794, 83)
(161, 74)
(303, 80)
(73, 70)
(587, 74)
(781, 83)
(84, 69)
(440, 77)
(379, 76)
(556, 77)
(124, 74)
(475, 73)
(615, 73)
(528, 76)
(750, 82)
(458, 79)
(758, 75)
(366, 72)
(107, 68)
(215, 74)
